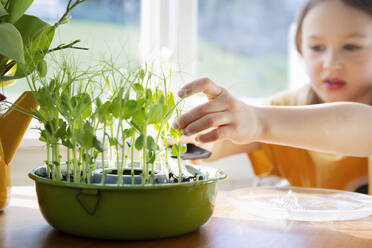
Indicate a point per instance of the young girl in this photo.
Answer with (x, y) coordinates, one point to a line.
(335, 39)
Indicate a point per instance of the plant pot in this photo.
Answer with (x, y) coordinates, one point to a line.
(127, 212)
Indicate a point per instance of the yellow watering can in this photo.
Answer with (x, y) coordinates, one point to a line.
(13, 125)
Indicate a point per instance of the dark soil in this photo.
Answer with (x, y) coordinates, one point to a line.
(174, 179)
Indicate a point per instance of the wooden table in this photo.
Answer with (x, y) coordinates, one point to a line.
(22, 226)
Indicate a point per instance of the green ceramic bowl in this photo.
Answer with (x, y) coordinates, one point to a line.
(128, 212)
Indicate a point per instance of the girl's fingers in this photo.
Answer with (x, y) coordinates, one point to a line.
(205, 85)
(198, 112)
(208, 121)
(219, 133)
(187, 139)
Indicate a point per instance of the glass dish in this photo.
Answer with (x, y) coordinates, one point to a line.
(303, 204)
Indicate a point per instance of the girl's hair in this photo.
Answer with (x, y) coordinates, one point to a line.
(363, 5)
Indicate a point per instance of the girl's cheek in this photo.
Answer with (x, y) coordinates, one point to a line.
(360, 65)
(364, 71)
(312, 67)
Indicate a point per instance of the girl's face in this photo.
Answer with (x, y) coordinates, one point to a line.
(337, 49)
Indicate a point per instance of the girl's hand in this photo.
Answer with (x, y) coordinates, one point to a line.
(227, 116)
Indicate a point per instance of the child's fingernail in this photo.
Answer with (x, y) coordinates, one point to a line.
(175, 125)
(181, 93)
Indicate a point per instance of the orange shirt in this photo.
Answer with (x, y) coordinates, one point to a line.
(305, 167)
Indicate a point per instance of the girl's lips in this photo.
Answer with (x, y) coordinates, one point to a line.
(334, 83)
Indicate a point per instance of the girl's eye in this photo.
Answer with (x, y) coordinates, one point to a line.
(317, 48)
(351, 47)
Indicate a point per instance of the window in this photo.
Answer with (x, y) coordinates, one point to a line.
(243, 44)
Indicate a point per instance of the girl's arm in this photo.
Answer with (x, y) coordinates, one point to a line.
(342, 127)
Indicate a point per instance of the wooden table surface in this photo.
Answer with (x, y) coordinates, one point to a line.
(22, 226)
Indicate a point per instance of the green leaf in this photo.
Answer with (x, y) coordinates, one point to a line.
(30, 27)
(139, 117)
(138, 89)
(183, 148)
(40, 45)
(178, 149)
(67, 142)
(61, 131)
(157, 113)
(128, 132)
(42, 68)
(39, 116)
(112, 141)
(149, 95)
(85, 136)
(86, 112)
(43, 136)
(161, 99)
(170, 99)
(151, 143)
(85, 105)
(36, 48)
(104, 111)
(142, 74)
(98, 103)
(175, 132)
(174, 150)
(11, 44)
(116, 107)
(16, 9)
(136, 126)
(139, 142)
(97, 144)
(151, 157)
(128, 109)
(2, 11)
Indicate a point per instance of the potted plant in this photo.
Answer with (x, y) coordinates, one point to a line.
(114, 123)
(25, 40)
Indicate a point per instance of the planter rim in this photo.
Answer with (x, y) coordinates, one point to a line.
(219, 175)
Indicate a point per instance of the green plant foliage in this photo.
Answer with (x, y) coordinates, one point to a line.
(139, 142)
(42, 68)
(37, 36)
(91, 124)
(11, 45)
(26, 39)
(3, 12)
(16, 8)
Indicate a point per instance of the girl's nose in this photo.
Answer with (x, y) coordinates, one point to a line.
(332, 61)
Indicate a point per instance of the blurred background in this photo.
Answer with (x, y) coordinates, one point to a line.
(244, 45)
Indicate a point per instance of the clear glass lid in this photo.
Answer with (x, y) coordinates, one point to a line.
(304, 204)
